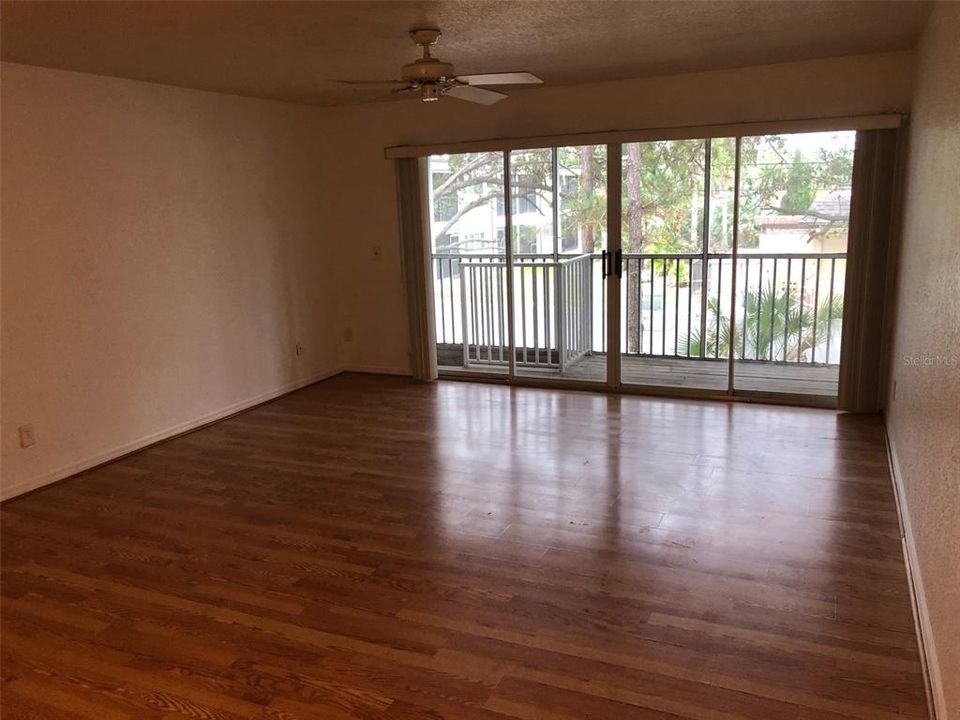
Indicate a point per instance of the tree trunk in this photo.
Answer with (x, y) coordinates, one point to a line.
(633, 243)
(587, 191)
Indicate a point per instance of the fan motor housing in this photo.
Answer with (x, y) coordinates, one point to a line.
(427, 69)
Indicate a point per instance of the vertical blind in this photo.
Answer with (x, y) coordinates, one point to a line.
(414, 215)
(873, 228)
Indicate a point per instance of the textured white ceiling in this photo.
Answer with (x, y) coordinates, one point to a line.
(289, 50)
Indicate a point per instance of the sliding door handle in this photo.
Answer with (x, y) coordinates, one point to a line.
(619, 262)
(603, 264)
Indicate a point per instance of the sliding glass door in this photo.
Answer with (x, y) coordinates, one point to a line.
(668, 273)
(676, 238)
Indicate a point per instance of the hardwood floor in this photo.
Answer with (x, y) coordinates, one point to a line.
(373, 548)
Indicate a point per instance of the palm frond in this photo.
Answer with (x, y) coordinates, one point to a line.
(772, 325)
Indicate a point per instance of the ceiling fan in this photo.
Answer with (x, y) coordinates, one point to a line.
(433, 78)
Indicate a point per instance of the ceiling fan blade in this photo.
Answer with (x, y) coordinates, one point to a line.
(475, 94)
(369, 82)
(408, 88)
(506, 78)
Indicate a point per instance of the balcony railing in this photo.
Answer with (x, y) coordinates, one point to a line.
(788, 307)
(554, 321)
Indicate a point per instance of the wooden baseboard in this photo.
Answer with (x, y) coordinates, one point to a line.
(8, 492)
(930, 665)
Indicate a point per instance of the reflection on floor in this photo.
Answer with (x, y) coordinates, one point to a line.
(370, 547)
(790, 378)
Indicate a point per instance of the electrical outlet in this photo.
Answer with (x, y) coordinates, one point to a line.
(27, 436)
(299, 349)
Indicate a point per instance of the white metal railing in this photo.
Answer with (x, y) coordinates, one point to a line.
(788, 307)
(483, 311)
(553, 320)
(575, 292)
(536, 327)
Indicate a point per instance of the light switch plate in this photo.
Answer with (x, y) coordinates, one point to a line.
(27, 436)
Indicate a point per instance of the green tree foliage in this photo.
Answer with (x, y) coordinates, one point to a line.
(475, 180)
(582, 194)
(774, 183)
(663, 185)
(662, 196)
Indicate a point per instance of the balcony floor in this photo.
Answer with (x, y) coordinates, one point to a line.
(750, 375)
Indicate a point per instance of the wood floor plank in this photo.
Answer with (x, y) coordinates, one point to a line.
(370, 547)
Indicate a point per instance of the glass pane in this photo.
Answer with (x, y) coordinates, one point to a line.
(663, 196)
(670, 288)
(467, 239)
(558, 199)
(582, 183)
(794, 222)
(708, 338)
(722, 168)
(531, 202)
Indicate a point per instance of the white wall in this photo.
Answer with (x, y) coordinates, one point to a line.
(163, 251)
(923, 417)
(373, 307)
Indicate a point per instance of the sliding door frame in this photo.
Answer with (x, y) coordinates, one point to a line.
(614, 250)
(614, 143)
(734, 247)
(508, 248)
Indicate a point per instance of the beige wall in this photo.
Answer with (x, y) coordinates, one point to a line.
(374, 301)
(923, 417)
(163, 251)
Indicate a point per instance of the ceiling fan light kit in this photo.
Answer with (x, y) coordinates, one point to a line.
(433, 78)
(430, 93)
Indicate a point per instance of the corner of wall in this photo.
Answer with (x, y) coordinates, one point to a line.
(923, 364)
